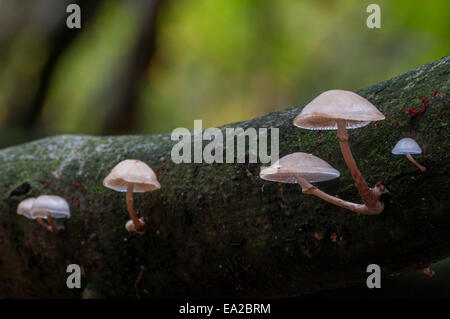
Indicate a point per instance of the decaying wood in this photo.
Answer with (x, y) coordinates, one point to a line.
(217, 230)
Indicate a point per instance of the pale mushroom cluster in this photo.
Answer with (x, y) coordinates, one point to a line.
(332, 110)
(45, 207)
(129, 176)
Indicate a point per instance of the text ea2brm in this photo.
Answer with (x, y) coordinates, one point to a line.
(226, 308)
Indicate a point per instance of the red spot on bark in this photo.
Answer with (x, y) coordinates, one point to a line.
(78, 203)
(396, 123)
(413, 113)
(377, 124)
(435, 92)
(403, 110)
(425, 101)
(76, 185)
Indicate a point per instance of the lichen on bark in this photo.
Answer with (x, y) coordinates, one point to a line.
(217, 230)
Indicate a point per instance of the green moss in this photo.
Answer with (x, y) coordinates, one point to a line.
(216, 230)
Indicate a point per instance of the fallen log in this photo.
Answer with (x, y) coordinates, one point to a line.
(218, 230)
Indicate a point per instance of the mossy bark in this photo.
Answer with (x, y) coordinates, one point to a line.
(218, 230)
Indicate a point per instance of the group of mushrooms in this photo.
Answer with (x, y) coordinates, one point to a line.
(332, 110)
(336, 110)
(130, 176)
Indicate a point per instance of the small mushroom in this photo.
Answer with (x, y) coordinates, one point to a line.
(342, 110)
(305, 169)
(132, 176)
(130, 227)
(49, 207)
(407, 146)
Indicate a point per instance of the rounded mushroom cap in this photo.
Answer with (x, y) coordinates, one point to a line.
(308, 166)
(406, 145)
(56, 206)
(132, 172)
(322, 112)
(24, 207)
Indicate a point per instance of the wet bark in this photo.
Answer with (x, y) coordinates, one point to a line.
(218, 230)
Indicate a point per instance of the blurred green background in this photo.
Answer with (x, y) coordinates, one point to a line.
(143, 66)
(147, 66)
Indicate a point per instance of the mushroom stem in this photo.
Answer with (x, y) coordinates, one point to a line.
(53, 228)
(369, 196)
(138, 225)
(422, 168)
(44, 224)
(307, 188)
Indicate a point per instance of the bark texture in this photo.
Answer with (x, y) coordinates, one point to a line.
(218, 230)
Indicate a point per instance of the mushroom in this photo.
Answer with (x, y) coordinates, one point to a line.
(342, 110)
(132, 176)
(304, 169)
(407, 146)
(50, 207)
(130, 227)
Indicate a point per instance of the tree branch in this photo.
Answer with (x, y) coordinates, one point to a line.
(217, 230)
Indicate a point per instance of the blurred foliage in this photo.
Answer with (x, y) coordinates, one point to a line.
(216, 60)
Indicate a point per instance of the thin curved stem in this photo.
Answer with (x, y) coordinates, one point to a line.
(422, 168)
(361, 184)
(54, 229)
(138, 225)
(307, 188)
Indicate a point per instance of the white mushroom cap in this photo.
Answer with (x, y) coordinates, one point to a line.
(322, 112)
(56, 206)
(132, 172)
(24, 207)
(406, 145)
(308, 166)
